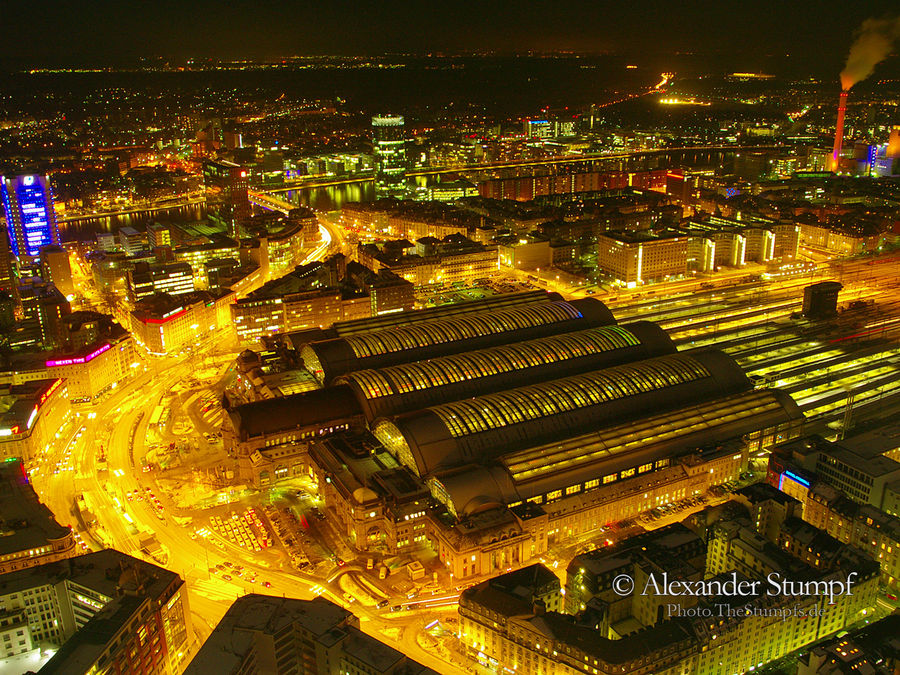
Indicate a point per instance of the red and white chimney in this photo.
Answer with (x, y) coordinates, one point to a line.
(839, 131)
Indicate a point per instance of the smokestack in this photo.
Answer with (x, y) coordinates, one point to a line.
(839, 132)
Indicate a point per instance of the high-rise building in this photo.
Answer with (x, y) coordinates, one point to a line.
(44, 307)
(8, 282)
(103, 612)
(145, 280)
(389, 146)
(56, 269)
(227, 200)
(30, 219)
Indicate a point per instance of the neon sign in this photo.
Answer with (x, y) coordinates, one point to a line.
(49, 392)
(78, 359)
(794, 477)
(167, 317)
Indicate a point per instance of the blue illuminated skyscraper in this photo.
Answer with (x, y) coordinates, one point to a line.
(30, 219)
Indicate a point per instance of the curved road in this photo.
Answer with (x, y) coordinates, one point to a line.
(108, 427)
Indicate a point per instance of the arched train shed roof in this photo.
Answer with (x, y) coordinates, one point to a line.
(328, 359)
(474, 429)
(385, 392)
(582, 460)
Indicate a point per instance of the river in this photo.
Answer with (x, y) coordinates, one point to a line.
(333, 197)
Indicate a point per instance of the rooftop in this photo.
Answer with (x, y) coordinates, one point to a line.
(27, 523)
(108, 572)
(296, 410)
(226, 649)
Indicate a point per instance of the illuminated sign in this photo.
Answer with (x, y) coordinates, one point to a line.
(49, 392)
(31, 418)
(78, 359)
(167, 317)
(794, 477)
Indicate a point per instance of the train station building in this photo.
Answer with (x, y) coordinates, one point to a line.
(496, 429)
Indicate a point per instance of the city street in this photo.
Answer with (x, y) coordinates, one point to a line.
(116, 429)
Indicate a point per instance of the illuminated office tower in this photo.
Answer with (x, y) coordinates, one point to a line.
(389, 145)
(30, 219)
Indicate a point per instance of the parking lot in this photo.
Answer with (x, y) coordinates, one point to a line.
(245, 530)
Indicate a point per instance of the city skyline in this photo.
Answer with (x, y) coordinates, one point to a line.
(502, 338)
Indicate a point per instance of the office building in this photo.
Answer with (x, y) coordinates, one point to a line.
(847, 518)
(750, 239)
(227, 198)
(159, 235)
(101, 612)
(44, 308)
(130, 240)
(526, 252)
(859, 525)
(9, 282)
(431, 261)
(451, 190)
(317, 295)
(197, 255)
(634, 258)
(167, 324)
(640, 251)
(866, 467)
(841, 240)
(538, 128)
(57, 270)
(32, 536)
(389, 149)
(265, 634)
(285, 240)
(145, 280)
(258, 316)
(31, 413)
(30, 218)
(98, 356)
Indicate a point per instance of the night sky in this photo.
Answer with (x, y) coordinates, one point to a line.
(49, 33)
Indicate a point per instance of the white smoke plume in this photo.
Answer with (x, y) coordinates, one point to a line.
(874, 40)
